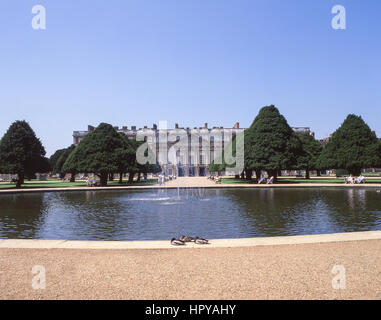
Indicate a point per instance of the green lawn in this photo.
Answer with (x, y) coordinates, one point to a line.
(60, 184)
(372, 174)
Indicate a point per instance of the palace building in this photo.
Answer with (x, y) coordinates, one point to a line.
(182, 151)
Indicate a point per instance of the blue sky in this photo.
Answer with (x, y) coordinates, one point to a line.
(187, 62)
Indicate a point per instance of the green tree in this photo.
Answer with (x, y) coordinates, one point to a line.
(127, 156)
(54, 158)
(100, 152)
(59, 167)
(219, 164)
(21, 152)
(312, 149)
(137, 168)
(352, 147)
(270, 143)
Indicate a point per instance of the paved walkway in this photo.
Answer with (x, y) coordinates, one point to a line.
(190, 182)
(294, 271)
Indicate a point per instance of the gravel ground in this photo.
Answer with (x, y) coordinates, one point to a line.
(302, 271)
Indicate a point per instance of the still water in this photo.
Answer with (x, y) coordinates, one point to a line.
(210, 213)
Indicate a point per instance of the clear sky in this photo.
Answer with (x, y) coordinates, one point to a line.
(187, 61)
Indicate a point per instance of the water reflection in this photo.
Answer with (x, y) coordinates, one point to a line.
(354, 209)
(22, 215)
(213, 213)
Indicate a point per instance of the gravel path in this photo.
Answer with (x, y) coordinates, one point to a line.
(301, 271)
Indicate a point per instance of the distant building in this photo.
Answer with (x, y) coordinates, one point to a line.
(303, 130)
(324, 141)
(199, 157)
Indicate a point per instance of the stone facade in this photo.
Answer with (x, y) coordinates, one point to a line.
(182, 151)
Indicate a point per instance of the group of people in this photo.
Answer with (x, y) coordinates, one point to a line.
(264, 180)
(91, 182)
(353, 180)
(216, 179)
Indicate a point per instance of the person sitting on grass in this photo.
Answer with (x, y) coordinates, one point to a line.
(270, 181)
(360, 179)
(262, 180)
(349, 180)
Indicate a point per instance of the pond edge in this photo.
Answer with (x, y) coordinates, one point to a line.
(216, 243)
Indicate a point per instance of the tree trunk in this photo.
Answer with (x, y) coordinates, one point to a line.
(111, 177)
(318, 173)
(249, 174)
(139, 174)
(120, 178)
(20, 180)
(72, 177)
(273, 173)
(131, 177)
(257, 174)
(242, 174)
(103, 177)
(307, 174)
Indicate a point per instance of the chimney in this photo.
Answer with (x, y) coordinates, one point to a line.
(133, 128)
(116, 128)
(125, 128)
(145, 127)
(236, 126)
(206, 125)
(176, 125)
(90, 128)
(313, 134)
(154, 126)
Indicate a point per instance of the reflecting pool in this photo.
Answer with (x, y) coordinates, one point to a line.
(210, 213)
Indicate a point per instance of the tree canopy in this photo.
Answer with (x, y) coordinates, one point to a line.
(59, 167)
(102, 152)
(135, 167)
(270, 144)
(307, 160)
(54, 158)
(354, 146)
(21, 152)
